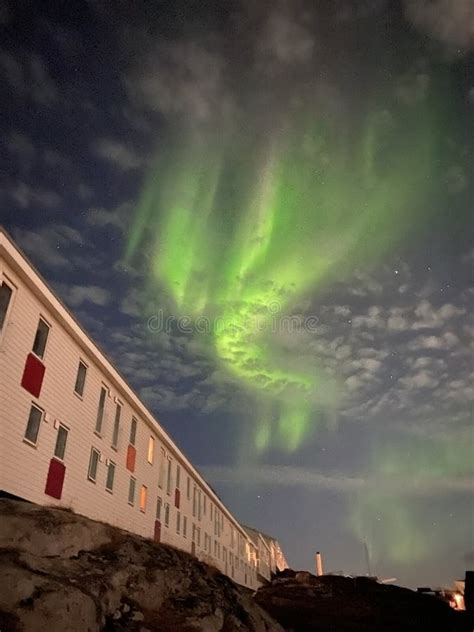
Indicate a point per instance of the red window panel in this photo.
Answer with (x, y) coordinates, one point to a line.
(157, 534)
(33, 375)
(177, 497)
(131, 457)
(55, 480)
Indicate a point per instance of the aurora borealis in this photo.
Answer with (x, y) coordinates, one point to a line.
(240, 229)
(262, 212)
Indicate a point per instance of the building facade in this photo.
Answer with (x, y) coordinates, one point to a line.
(74, 434)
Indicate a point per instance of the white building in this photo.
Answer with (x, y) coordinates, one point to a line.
(74, 434)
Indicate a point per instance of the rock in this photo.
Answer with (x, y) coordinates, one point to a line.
(137, 616)
(302, 602)
(90, 577)
(303, 577)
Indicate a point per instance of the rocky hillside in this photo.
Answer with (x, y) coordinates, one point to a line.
(302, 602)
(63, 572)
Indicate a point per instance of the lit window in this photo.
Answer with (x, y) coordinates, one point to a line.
(178, 521)
(5, 297)
(109, 483)
(80, 378)
(93, 464)
(33, 425)
(41, 336)
(151, 449)
(167, 514)
(115, 434)
(100, 411)
(60, 447)
(131, 491)
(159, 505)
(133, 431)
(143, 497)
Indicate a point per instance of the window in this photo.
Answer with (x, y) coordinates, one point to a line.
(168, 477)
(93, 465)
(204, 507)
(80, 378)
(188, 488)
(198, 536)
(167, 514)
(199, 504)
(143, 497)
(211, 510)
(5, 297)
(151, 449)
(109, 483)
(115, 434)
(194, 533)
(159, 506)
(185, 526)
(194, 501)
(162, 469)
(33, 425)
(133, 431)
(41, 336)
(178, 476)
(100, 411)
(178, 521)
(61, 439)
(131, 491)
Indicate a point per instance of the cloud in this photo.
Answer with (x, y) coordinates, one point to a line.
(449, 21)
(114, 218)
(26, 196)
(290, 476)
(117, 153)
(47, 244)
(179, 78)
(431, 318)
(446, 341)
(76, 295)
(374, 319)
(422, 379)
(28, 75)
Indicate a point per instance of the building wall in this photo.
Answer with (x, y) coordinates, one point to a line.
(212, 533)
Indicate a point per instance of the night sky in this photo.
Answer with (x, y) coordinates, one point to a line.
(262, 211)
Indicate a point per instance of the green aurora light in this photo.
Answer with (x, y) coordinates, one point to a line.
(242, 225)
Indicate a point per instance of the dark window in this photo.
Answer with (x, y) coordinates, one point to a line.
(33, 425)
(109, 484)
(80, 378)
(159, 504)
(61, 440)
(100, 412)
(133, 431)
(131, 491)
(115, 434)
(5, 297)
(39, 344)
(93, 464)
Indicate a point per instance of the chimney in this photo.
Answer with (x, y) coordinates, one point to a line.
(319, 564)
